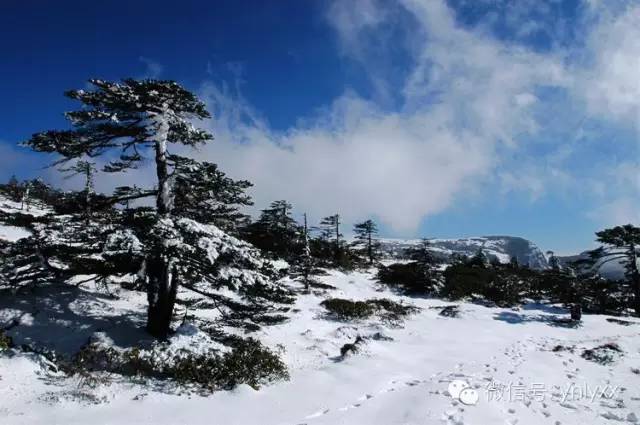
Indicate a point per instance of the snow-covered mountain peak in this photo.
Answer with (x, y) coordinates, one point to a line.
(500, 247)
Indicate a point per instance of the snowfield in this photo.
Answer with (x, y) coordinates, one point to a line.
(13, 233)
(525, 367)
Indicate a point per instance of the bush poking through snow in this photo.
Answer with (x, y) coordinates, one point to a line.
(620, 322)
(342, 309)
(351, 348)
(409, 278)
(249, 362)
(5, 341)
(603, 354)
(392, 310)
(450, 311)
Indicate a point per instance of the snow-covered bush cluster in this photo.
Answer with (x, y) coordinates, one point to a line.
(188, 358)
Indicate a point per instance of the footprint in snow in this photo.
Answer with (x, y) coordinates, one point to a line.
(318, 414)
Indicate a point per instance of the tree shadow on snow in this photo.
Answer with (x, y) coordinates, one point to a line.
(63, 318)
(551, 320)
(546, 308)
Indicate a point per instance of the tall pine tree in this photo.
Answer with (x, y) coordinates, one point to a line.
(276, 231)
(621, 244)
(86, 169)
(330, 229)
(134, 118)
(365, 235)
(204, 193)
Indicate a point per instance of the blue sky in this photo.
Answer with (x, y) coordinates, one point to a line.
(437, 118)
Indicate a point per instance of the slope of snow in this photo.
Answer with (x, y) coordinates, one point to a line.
(401, 376)
(610, 270)
(13, 233)
(500, 247)
(35, 208)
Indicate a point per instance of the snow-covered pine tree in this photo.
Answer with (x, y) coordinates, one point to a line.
(13, 189)
(621, 244)
(553, 261)
(423, 256)
(479, 259)
(25, 200)
(204, 193)
(87, 169)
(365, 235)
(136, 118)
(123, 195)
(330, 229)
(307, 260)
(276, 231)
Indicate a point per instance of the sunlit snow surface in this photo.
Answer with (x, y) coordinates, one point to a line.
(399, 381)
(13, 233)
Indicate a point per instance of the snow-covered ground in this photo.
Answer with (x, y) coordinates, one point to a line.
(35, 208)
(524, 369)
(13, 233)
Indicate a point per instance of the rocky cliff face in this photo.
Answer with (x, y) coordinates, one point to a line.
(500, 247)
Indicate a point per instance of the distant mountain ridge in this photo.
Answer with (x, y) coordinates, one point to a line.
(501, 247)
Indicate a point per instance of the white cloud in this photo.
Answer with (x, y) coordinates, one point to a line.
(466, 99)
(355, 160)
(611, 82)
(470, 112)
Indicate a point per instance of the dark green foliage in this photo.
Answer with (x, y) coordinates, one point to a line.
(135, 118)
(463, 280)
(594, 293)
(503, 285)
(604, 354)
(329, 247)
(421, 253)
(12, 189)
(622, 243)
(5, 341)
(116, 116)
(330, 229)
(411, 278)
(479, 259)
(554, 262)
(351, 348)
(417, 277)
(392, 310)
(204, 193)
(343, 309)
(276, 231)
(450, 311)
(86, 169)
(366, 240)
(249, 362)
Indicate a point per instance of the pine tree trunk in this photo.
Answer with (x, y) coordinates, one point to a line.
(635, 279)
(162, 285)
(163, 202)
(370, 250)
(307, 255)
(87, 198)
(337, 238)
(161, 294)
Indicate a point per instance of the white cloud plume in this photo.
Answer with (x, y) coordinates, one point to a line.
(466, 98)
(469, 115)
(611, 83)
